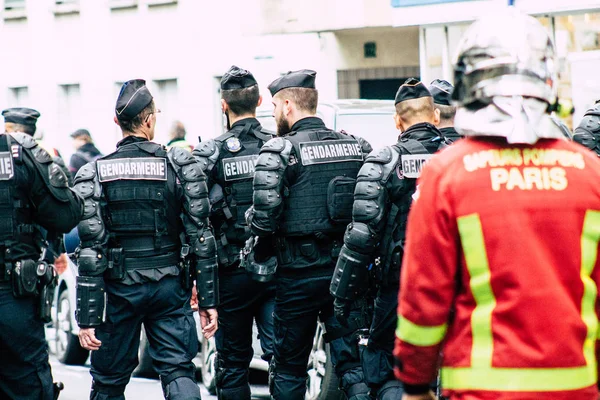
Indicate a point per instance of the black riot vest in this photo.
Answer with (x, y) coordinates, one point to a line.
(234, 172)
(140, 210)
(320, 199)
(414, 148)
(18, 234)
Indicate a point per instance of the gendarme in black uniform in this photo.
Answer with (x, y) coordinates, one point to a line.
(386, 184)
(33, 195)
(141, 205)
(441, 91)
(229, 162)
(303, 188)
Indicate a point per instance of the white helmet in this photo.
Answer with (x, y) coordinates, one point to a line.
(504, 54)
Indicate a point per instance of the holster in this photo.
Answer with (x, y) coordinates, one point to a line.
(116, 264)
(25, 279)
(187, 280)
(47, 284)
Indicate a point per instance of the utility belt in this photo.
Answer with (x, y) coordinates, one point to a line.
(385, 270)
(29, 278)
(309, 249)
(118, 263)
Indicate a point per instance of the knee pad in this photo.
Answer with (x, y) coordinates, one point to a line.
(241, 393)
(390, 390)
(181, 388)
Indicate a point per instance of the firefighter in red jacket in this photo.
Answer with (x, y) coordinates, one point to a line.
(500, 277)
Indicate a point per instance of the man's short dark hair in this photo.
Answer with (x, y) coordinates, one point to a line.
(415, 109)
(131, 125)
(242, 101)
(306, 99)
(28, 129)
(447, 113)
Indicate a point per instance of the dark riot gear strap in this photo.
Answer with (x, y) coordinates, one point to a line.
(90, 301)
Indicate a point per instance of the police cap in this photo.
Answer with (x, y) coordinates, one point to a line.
(21, 115)
(441, 91)
(133, 98)
(411, 89)
(305, 78)
(237, 78)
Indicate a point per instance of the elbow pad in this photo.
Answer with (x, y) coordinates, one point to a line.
(350, 275)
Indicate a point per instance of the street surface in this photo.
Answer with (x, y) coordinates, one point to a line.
(78, 382)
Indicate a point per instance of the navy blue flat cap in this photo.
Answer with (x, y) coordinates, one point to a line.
(133, 98)
(237, 78)
(411, 89)
(441, 91)
(21, 115)
(305, 78)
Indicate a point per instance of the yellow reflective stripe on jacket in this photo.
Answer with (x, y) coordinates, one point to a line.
(418, 335)
(471, 237)
(519, 379)
(481, 375)
(589, 253)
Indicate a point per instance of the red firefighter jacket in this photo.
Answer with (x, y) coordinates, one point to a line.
(500, 273)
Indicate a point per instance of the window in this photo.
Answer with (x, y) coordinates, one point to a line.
(70, 110)
(165, 93)
(14, 4)
(18, 97)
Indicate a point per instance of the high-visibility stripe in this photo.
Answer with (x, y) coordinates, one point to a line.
(481, 375)
(590, 237)
(418, 335)
(471, 237)
(518, 379)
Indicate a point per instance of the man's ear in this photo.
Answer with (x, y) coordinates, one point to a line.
(398, 122)
(116, 120)
(436, 117)
(288, 107)
(259, 101)
(224, 106)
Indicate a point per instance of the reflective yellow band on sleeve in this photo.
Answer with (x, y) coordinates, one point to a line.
(519, 380)
(473, 245)
(418, 335)
(590, 236)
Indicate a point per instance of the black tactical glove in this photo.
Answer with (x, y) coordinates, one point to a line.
(341, 308)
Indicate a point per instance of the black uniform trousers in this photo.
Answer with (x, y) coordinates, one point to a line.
(377, 357)
(243, 300)
(302, 297)
(164, 309)
(24, 369)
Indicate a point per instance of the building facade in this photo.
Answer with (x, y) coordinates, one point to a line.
(68, 58)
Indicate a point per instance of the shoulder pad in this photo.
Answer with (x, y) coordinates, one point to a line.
(380, 156)
(364, 144)
(379, 165)
(57, 177)
(24, 139)
(275, 145)
(41, 155)
(206, 149)
(85, 173)
(180, 156)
